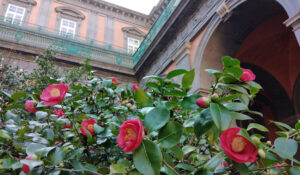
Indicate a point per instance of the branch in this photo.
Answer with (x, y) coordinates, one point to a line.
(170, 167)
(271, 167)
(71, 170)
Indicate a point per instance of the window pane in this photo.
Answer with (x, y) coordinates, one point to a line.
(20, 11)
(71, 24)
(12, 8)
(64, 23)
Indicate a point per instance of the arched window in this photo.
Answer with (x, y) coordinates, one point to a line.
(68, 21)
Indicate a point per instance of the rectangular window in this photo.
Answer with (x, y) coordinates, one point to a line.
(67, 28)
(133, 45)
(14, 14)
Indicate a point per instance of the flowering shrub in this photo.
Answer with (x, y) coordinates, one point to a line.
(103, 128)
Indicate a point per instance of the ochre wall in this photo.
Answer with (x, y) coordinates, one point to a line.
(53, 16)
(101, 28)
(118, 33)
(34, 13)
(170, 67)
(273, 47)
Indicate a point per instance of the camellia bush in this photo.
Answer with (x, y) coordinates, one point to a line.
(102, 127)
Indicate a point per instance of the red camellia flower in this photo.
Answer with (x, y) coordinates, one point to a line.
(247, 75)
(203, 102)
(67, 125)
(29, 105)
(131, 135)
(59, 113)
(54, 94)
(25, 167)
(237, 147)
(88, 125)
(114, 80)
(135, 87)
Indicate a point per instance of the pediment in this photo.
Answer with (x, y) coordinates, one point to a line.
(70, 12)
(133, 31)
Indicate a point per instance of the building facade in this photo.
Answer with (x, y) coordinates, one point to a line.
(77, 29)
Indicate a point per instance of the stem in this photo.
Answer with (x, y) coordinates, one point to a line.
(271, 167)
(170, 167)
(71, 170)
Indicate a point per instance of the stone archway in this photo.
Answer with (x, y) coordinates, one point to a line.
(262, 10)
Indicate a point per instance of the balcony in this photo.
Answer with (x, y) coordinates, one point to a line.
(43, 38)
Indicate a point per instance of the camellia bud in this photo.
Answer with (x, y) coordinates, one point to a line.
(269, 143)
(262, 153)
(214, 97)
(256, 140)
(168, 81)
(203, 102)
(61, 165)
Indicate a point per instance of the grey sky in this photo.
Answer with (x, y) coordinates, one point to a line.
(142, 6)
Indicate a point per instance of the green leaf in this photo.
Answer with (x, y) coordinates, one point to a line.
(178, 153)
(142, 98)
(239, 116)
(43, 151)
(281, 125)
(33, 147)
(98, 129)
(187, 79)
(118, 168)
(185, 167)
(32, 163)
(16, 96)
(241, 167)
(56, 156)
(8, 163)
(215, 161)
(213, 72)
(189, 102)
(294, 170)
(174, 92)
(175, 73)
(41, 114)
(286, 146)
(221, 116)
(228, 98)
(203, 123)
(187, 149)
(229, 62)
(5, 94)
(236, 106)
(170, 135)
(152, 85)
(254, 84)
(257, 126)
(4, 134)
(234, 87)
(157, 118)
(160, 80)
(147, 158)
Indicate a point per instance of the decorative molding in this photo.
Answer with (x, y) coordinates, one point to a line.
(69, 11)
(182, 52)
(293, 22)
(133, 31)
(224, 12)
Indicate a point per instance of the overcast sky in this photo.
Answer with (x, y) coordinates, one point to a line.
(143, 6)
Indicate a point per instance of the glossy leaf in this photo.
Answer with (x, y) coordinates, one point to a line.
(188, 79)
(189, 102)
(236, 106)
(257, 126)
(175, 73)
(221, 116)
(157, 118)
(147, 158)
(170, 135)
(142, 98)
(286, 146)
(203, 123)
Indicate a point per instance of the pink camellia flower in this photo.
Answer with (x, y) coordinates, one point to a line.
(67, 125)
(59, 113)
(247, 75)
(2, 124)
(135, 87)
(88, 125)
(203, 102)
(57, 143)
(224, 164)
(237, 147)
(29, 106)
(131, 135)
(26, 168)
(114, 80)
(54, 94)
(278, 166)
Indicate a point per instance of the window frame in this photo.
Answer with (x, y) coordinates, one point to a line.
(135, 47)
(67, 27)
(14, 14)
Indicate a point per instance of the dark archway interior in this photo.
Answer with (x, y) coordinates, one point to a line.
(296, 95)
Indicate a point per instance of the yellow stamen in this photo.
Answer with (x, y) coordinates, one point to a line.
(130, 134)
(55, 92)
(238, 144)
(90, 127)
